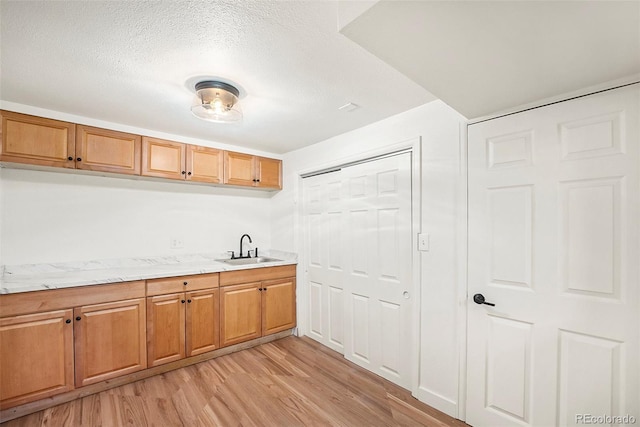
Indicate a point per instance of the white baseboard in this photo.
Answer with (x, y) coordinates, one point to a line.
(437, 401)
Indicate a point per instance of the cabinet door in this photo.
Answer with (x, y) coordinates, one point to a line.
(37, 141)
(36, 357)
(165, 328)
(239, 313)
(202, 325)
(164, 159)
(109, 340)
(278, 305)
(269, 173)
(239, 169)
(205, 164)
(107, 150)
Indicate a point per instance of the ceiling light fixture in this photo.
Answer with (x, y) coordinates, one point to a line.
(216, 101)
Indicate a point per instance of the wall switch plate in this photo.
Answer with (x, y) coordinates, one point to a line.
(423, 242)
(176, 243)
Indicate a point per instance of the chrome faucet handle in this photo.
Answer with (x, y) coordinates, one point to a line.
(232, 253)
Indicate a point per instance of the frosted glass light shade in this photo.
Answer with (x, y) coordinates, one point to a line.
(216, 102)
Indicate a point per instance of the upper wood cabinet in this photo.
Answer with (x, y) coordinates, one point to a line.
(109, 340)
(162, 158)
(205, 164)
(36, 356)
(269, 173)
(46, 142)
(107, 150)
(37, 141)
(174, 160)
(252, 171)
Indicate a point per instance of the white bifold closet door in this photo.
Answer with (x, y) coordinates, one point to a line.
(554, 217)
(358, 252)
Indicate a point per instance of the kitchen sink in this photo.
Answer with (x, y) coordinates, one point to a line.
(248, 261)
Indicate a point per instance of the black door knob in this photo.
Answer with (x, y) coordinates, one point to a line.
(479, 299)
(182, 301)
(78, 318)
(185, 283)
(67, 321)
(79, 159)
(69, 158)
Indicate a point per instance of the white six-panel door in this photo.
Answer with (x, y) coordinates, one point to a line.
(358, 240)
(554, 217)
(325, 260)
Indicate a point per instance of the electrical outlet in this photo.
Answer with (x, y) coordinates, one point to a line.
(176, 243)
(423, 242)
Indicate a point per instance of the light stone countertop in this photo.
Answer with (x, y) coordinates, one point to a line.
(38, 277)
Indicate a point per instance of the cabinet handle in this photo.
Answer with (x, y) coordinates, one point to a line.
(257, 180)
(183, 301)
(185, 283)
(67, 321)
(78, 159)
(78, 318)
(264, 289)
(183, 172)
(260, 289)
(189, 173)
(69, 158)
(189, 301)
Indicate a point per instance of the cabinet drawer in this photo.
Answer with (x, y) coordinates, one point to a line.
(257, 274)
(181, 284)
(56, 299)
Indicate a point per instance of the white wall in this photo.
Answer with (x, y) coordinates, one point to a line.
(58, 217)
(439, 126)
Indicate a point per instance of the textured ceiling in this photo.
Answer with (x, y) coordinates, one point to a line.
(483, 57)
(129, 63)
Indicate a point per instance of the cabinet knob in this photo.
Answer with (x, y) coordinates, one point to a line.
(185, 283)
(67, 321)
(69, 158)
(78, 318)
(183, 301)
(257, 180)
(78, 159)
(183, 172)
(189, 301)
(189, 173)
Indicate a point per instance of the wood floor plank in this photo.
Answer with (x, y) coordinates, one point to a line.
(289, 382)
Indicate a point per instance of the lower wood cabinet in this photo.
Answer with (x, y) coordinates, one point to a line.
(56, 340)
(109, 340)
(251, 309)
(181, 325)
(36, 356)
(240, 313)
(278, 305)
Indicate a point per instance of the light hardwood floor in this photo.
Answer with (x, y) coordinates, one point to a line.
(289, 382)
